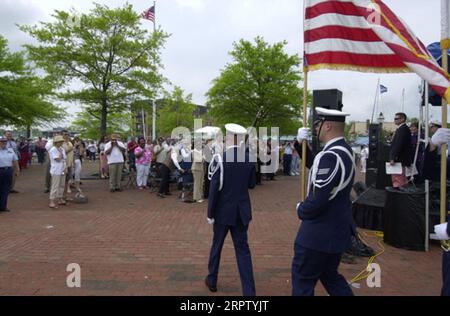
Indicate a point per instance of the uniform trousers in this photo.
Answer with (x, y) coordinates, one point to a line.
(243, 255)
(310, 266)
(445, 274)
(6, 176)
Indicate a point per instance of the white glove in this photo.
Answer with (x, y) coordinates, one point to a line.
(442, 136)
(441, 232)
(210, 221)
(303, 133)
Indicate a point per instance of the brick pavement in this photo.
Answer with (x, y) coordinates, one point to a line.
(132, 243)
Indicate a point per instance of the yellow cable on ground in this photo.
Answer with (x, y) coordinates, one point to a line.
(364, 273)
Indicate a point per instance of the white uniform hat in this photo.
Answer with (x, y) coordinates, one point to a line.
(436, 122)
(235, 129)
(331, 115)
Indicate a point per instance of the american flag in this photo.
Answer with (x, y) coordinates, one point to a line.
(365, 35)
(149, 14)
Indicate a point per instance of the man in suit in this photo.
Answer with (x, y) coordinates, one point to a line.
(325, 232)
(229, 207)
(401, 149)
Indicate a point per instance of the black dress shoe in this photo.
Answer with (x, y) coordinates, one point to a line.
(5, 210)
(13, 191)
(161, 195)
(168, 193)
(210, 287)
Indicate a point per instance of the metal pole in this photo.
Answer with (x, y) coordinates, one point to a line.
(427, 182)
(443, 203)
(304, 143)
(375, 100)
(154, 121)
(153, 101)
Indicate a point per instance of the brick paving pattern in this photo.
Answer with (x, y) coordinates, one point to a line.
(132, 243)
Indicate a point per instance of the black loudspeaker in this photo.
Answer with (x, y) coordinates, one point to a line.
(328, 99)
(374, 144)
(371, 177)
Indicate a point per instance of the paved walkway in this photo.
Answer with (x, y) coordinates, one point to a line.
(132, 243)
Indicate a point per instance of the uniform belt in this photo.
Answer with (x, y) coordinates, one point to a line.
(5, 168)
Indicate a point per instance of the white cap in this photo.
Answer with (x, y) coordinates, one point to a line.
(331, 115)
(436, 122)
(235, 128)
(208, 130)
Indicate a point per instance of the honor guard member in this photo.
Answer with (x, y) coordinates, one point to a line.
(229, 207)
(325, 232)
(442, 231)
(8, 161)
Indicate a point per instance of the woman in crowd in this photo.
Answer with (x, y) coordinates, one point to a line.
(143, 155)
(79, 153)
(103, 160)
(24, 153)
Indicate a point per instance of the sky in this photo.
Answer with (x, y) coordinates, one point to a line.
(203, 32)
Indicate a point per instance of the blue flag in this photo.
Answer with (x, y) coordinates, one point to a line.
(383, 89)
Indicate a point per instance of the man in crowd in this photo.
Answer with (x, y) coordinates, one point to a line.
(114, 151)
(8, 162)
(11, 144)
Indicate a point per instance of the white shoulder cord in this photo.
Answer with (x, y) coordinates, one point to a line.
(212, 169)
(339, 163)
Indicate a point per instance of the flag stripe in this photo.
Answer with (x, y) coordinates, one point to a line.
(354, 24)
(345, 8)
(341, 32)
(347, 46)
(360, 60)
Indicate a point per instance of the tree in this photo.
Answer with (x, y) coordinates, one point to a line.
(106, 51)
(24, 95)
(176, 110)
(260, 87)
(87, 126)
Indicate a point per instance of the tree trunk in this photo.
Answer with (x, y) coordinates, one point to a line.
(28, 131)
(104, 117)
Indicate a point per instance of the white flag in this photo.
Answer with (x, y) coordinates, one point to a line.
(445, 23)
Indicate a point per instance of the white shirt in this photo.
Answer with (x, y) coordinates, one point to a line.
(57, 168)
(49, 145)
(116, 155)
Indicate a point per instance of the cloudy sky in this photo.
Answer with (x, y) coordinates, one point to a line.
(202, 33)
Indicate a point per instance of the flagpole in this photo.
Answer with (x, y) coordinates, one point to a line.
(375, 100)
(427, 182)
(153, 101)
(304, 142)
(443, 203)
(403, 100)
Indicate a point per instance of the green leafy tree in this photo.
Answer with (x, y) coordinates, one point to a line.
(175, 110)
(87, 126)
(105, 53)
(24, 96)
(260, 87)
